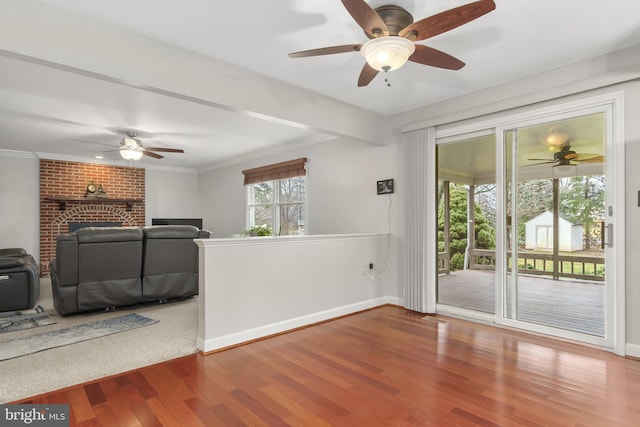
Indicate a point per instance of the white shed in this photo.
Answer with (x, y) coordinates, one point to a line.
(539, 234)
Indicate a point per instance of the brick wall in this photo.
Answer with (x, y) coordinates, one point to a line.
(70, 180)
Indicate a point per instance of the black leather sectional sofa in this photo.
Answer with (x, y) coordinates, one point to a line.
(104, 267)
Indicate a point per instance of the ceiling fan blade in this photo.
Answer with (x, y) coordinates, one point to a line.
(546, 160)
(165, 150)
(152, 154)
(596, 159)
(92, 142)
(588, 157)
(541, 163)
(326, 51)
(366, 75)
(447, 20)
(435, 58)
(366, 17)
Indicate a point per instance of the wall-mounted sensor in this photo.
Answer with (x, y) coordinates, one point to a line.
(385, 186)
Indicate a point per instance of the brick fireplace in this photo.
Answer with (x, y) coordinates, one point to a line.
(64, 199)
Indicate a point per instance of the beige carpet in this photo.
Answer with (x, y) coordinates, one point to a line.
(173, 336)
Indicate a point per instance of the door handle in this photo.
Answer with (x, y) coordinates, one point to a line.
(609, 235)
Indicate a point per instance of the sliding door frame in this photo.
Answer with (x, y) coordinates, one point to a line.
(612, 104)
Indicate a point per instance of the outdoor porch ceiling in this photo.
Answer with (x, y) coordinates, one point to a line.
(472, 161)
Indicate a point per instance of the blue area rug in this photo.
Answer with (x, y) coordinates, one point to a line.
(75, 334)
(21, 320)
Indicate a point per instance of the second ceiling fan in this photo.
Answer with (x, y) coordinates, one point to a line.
(131, 148)
(566, 154)
(393, 34)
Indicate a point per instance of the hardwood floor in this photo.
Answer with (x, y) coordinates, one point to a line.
(382, 367)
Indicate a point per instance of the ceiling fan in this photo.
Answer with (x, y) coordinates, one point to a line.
(563, 159)
(131, 148)
(393, 33)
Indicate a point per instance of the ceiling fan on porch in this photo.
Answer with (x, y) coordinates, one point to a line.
(393, 33)
(563, 160)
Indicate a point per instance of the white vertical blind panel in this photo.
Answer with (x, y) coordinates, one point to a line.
(419, 244)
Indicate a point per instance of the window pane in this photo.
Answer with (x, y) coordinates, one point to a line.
(291, 206)
(262, 215)
(292, 219)
(292, 190)
(262, 193)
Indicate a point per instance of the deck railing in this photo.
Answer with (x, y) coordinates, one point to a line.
(443, 263)
(570, 266)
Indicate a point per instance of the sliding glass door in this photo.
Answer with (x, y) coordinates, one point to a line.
(553, 222)
(526, 216)
(466, 223)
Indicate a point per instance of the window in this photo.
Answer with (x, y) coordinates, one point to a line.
(281, 210)
(276, 206)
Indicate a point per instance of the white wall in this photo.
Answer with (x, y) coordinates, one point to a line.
(255, 287)
(223, 199)
(341, 196)
(341, 187)
(632, 226)
(20, 202)
(171, 194)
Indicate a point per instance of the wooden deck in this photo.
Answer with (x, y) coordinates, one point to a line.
(572, 305)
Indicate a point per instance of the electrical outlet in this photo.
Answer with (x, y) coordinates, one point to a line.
(367, 270)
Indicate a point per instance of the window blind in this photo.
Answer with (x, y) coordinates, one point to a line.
(420, 222)
(283, 170)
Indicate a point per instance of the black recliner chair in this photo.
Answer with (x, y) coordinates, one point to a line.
(97, 268)
(19, 280)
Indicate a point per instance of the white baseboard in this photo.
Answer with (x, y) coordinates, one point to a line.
(632, 350)
(290, 324)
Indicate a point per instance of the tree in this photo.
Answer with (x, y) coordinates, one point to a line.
(484, 233)
(534, 197)
(291, 199)
(486, 199)
(582, 201)
(262, 199)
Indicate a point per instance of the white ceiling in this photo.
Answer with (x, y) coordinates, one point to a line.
(51, 110)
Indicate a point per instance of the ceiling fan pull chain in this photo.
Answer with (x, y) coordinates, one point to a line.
(386, 69)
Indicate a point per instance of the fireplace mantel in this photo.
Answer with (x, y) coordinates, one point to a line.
(62, 201)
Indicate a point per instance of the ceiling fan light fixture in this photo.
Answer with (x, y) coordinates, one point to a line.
(565, 170)
(387, 53)
(128, 154)
(130, 149)
(556, 139)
